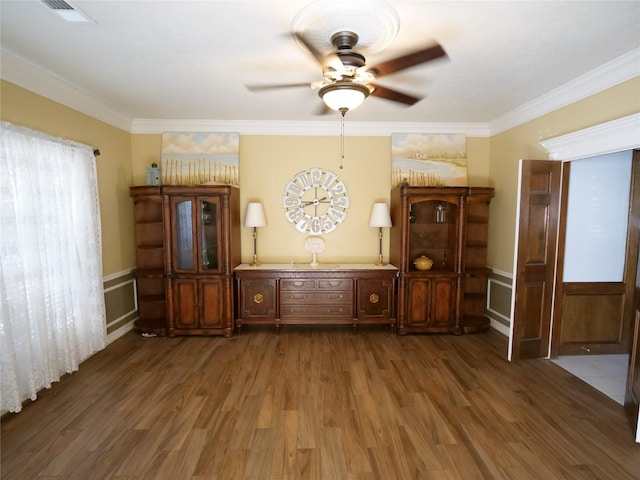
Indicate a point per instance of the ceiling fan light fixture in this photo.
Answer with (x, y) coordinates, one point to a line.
(341, 96)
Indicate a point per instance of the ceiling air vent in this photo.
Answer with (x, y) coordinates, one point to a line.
(67, 11)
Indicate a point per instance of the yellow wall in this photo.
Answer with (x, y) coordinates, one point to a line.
(268, 162)
(22, 107)
(523, 142)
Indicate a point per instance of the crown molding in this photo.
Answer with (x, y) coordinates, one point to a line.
(606, 76)
(27, 75)
(610, 137)
(323, 128)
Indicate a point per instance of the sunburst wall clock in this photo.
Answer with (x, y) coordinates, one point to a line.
(315, 201)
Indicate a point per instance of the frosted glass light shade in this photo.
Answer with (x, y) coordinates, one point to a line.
(380, 216)
(254, 216)
(343, 95)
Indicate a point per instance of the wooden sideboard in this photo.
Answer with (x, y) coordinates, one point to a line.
(283, 294)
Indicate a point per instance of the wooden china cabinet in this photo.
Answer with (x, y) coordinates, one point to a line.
(449, 225)
(201, 246)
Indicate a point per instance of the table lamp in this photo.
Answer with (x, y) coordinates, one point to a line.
(380, 218)
(254, 217)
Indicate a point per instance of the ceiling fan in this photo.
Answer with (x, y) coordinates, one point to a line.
(347, 80)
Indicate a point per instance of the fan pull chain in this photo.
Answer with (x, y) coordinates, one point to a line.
(342, 111)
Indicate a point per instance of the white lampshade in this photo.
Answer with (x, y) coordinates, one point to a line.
(255, 215)
(380, 216)
(343, 95)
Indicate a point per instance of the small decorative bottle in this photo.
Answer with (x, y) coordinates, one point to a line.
(441, 214)
(153, 175)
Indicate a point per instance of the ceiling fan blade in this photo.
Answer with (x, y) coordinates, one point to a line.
(331, 60)
(394, 95)
(259, 88)
(406, 61)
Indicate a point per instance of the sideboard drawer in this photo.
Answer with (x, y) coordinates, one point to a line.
(315, 298)
(320, 284)
(316, 311)
(298, 284)
(335, 284)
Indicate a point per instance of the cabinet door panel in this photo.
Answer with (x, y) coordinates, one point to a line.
(211, 300)
(431, 302)
(419, 302)
(374, 298)
(186, 303)
(258, 299)
(442, 302)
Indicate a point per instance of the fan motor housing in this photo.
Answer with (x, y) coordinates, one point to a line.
(351, 59)
(344, 40)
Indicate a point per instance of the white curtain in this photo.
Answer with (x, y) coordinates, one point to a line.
(51, 296)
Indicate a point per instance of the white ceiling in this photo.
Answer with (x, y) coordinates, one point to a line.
(163, 61)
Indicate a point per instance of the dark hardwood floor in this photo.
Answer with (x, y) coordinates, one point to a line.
(318, 403)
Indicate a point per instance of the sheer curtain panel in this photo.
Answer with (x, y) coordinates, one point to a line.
(51, 296)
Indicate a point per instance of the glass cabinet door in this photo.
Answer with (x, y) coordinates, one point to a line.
(209, 233)
(432, 233)
(183, 234)
(196, 232)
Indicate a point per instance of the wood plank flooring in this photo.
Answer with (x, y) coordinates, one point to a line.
(318, 403)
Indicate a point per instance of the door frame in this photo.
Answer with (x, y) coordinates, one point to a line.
(610, 137)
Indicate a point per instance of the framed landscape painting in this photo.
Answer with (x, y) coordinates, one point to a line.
(428, 159)
(200, 158)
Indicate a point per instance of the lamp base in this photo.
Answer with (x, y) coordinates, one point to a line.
(380, 262)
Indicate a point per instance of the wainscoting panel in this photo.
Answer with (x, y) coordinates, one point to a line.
(498, 307)
(120, 303)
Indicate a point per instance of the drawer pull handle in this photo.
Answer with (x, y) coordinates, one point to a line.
(374, 298)
(258, 298)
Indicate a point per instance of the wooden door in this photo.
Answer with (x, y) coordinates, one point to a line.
(535, 258)
(632, 394)
(596, 317)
